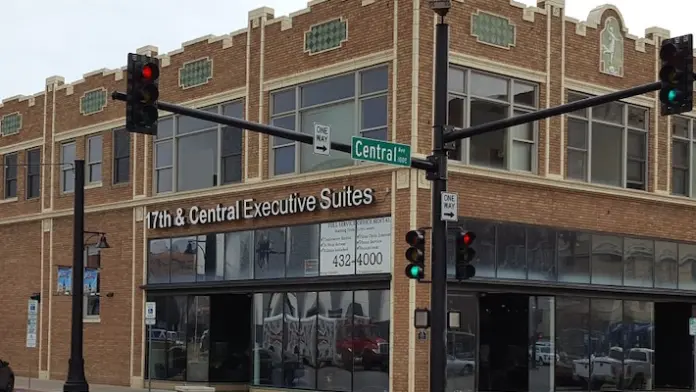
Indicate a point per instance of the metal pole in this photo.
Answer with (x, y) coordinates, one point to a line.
(76, 381)
(438, 294)
(149, 358)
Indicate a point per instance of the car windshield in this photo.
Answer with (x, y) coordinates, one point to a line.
(544, 349)
(364, 331)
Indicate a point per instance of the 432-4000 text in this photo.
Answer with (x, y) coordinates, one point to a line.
(361, 259)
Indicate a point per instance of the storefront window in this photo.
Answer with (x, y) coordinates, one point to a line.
(271, 251)
(666, 264)
(541, 254)
(334, 248)
(183, 260)
(198, 338)
(573, 342)
(326, 341)
(239, 255)
(462, 355)
(159, 261)
(574, 257)
(167, 356)
(303, 251)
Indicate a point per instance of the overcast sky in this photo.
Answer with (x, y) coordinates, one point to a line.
(41, 38)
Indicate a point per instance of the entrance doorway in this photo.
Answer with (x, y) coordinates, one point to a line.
(230, 338)
(504, 342)
(674, 355)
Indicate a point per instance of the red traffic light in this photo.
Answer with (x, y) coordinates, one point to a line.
(415, 237)
(467, 237)
(150, 72)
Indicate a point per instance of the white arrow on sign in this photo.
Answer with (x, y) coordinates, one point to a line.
(450, 207)
(322, 139)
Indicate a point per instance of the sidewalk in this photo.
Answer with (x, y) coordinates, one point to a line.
(23, 384)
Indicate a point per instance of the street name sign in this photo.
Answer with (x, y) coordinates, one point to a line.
(450, 207)
(373, 150)
(322, 139)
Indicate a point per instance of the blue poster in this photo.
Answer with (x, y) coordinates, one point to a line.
(64, 280)
(90, 280)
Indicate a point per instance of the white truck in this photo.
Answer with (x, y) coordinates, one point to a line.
(635, 371)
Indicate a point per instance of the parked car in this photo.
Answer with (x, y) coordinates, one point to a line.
(7, 377)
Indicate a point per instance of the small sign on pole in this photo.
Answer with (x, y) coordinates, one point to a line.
(322, 139)
(32, 322)
(450, 207)
(150, 313)
(692, 326)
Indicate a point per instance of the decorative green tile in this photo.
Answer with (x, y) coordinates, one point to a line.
(93, 101)
(493, 29)
(10, 124)
(326, 36)
(196, 73)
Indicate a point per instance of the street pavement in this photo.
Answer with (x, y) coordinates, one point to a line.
(23, 384)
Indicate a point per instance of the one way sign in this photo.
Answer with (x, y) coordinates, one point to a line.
(322, 139)
(450, 207)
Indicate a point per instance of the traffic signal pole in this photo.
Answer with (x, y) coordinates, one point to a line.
(438, 255)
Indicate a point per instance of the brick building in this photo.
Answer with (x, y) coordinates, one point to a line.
(585, 218)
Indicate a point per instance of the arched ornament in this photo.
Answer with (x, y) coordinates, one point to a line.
(611, 48)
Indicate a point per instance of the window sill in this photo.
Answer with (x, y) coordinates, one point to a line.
(9, 200)
(93, 185)
(91, 320)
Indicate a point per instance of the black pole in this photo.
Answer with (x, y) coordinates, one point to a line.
(438, 293)
(463, 133)
(77, 381)
(271, 130)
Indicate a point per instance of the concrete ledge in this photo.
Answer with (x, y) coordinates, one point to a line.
(193, 388)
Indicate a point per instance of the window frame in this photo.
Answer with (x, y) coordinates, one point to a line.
(96, 163)
(626, 129)
(298, 111)
(7, 179)
(174, 137)
(96, 297)
(67, 167)
(30, 175)
(118, 177)
(465, 145)
(689, 140)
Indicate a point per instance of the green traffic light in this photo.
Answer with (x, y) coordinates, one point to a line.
(672, 96)
(414, 272)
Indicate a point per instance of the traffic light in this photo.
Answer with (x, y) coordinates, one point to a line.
(415, 254)
(464, 255)
(142, 93)
(677, 75)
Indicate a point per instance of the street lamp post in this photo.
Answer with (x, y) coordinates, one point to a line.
(76, 381)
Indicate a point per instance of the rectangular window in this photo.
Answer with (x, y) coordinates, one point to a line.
(608, 144)
(91, 280)
(195, 154)
(94, 159)
(353, 104)
(683, 157)
(476, 98)
(33, 173)
(121, 156)
(10, 161)
(67, 159)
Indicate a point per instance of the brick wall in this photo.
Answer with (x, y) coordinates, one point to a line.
(271, 52)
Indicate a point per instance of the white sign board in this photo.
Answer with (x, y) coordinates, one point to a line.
(150, 321)
(322, 139)
(450, 207)
(692, 326)
(150, 311)
(32, 323)
(350, 247)
(373, 246)
(337, 248)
